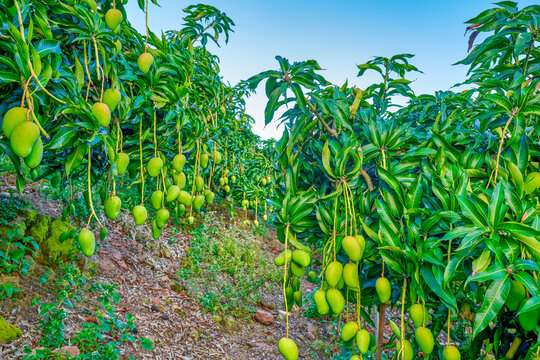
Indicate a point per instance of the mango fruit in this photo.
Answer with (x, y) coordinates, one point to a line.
(112, 207)
(350, 275)
(198, 202)
(36, 155)
(352, 248)
(333, 273)
(407, 353)
(102, 113)
(140, 214)
(451, 353)
(199, 183)
(172, 193)
(161, 217)
(184, 198)
(178, 162)
(383, 288)
(362, 340)
(349, 330)
(122, 162)
(145, 61)
(156, 230)
(297, 270)
(111, 98)
(302, 258)
(154, 166)
(288, 349)
(204, 161)
(516, 295)
(156, 199)
(335, 299)
(12, 118)
(297, 296)
(425, 340)
(113, 18)
(23, 138)
(87, 242)
(181, 180)
(418, 314)
(320, 301)
(284, 255)
(209, 196)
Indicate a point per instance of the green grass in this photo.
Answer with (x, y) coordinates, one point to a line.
(226, 269)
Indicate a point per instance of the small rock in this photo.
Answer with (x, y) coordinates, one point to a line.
(164, 317)
(310, 336)
(68, 350)
(165, 278)
(264, 317)
(105, 265)
(312, 329)
(155, 308)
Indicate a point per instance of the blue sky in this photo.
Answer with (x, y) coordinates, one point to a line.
(339, 35)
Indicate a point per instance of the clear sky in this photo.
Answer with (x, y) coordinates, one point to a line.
(338, 34)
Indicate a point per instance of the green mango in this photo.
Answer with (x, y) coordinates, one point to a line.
(156, 230)
(288, 349)
(113, 18)
(383, 288)
(87, 242)
(350, 275)
(335, 299)
(112, 207)
(161, 217)
(122, 162)
(157, 199)
(302, 258)
(298, 298)
(198, 202)
(363, 340)
(209, 196)
(352, 248)
(280, 259)
(102, 233)
(140, 214)
(320, 301)
(199, 183)
(111, 98)
(451, 353)
(23, 138)
(181, 180)
(102, 114)
(349, 330)
(144, 63)
(178, 162)
(297, 270)
(407, 353)
(418, 313)
(154, 166)
(333, 273)
(13, 118)
(172, 193)
(36, 155)
(184, 198)
(204, 161)
(425, 340)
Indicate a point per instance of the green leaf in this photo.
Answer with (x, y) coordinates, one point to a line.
(326, 159)
(471, 211)
(75, 158)
(493, 302)
(495, 209)
(444, 294)
(532, 303)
